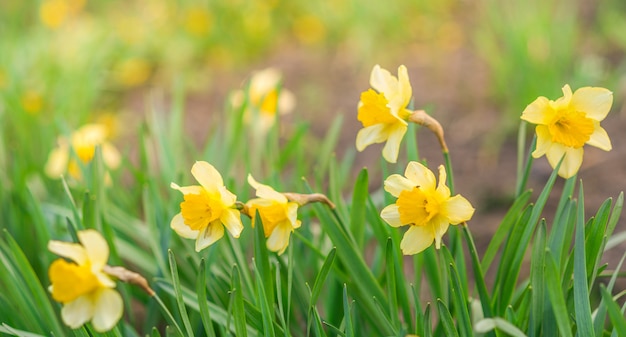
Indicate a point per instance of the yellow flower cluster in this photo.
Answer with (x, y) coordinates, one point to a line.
(210, 207)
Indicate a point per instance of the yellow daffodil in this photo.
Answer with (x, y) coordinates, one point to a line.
(207, 208)
(427, 208)
(265, 99)
(82, 143)
(383, 111)
(81, 285)
(278, 214)
(564, 126)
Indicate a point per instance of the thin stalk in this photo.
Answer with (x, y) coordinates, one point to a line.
(522, 174)
(168, 314)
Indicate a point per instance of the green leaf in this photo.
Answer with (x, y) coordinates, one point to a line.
(347, 314)
(322, 275)
(537, 279)
(600, 316)
(5, 328)
(179, 295)
(266, 312)
(582, 307)
(615, 314)
(262, 263)
(446, 319)
(391, 284)
(505, 227)
(238, 306)
(203, 304)
(555, 293)
(458, 297)
(358, 208)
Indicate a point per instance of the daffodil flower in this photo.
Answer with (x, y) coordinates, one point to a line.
(383, 111)
(207, 208)
(265, 99)
(83, 143)
(564, 126)
(278, 214)
(81, 285)
(427, 208)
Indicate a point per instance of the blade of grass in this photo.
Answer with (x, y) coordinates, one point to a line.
(358, 208)
(582, 307)
(615, 314)
(238, 306)
(202, 300)
(446, 319)
(179, 295)
(555, 293)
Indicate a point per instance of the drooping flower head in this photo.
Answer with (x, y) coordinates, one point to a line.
(81, 285)
(426, 207)
(265, 99)
(383, 111)
(82, 143)
(207, 209)
(278, 214)
(564, 126)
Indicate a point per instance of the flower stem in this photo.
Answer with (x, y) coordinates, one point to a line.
(522, 176)
(449, 173)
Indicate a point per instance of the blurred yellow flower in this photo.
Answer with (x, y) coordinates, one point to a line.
(81, 147)
(132, 72)
(265, 99)
(426, 208)
(198, 21)
(207, 209)
(564, 126)
(309, 29)
(32, 102)
(53, 13)
(277, 213)
(383, 111)
(81, 285)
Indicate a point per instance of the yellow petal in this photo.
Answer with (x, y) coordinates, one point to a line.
(544, 141)
(571, 163)
(209, 235)
(227, 197)
(391, 215)
(439, 226)
(370, 135)
(279, 238)
(194, 189)
(179, 226)
(406, 91)
(420, 175)
(57, 162)
(108, 309)
(286, 102)
(382, 81)
(72, 251)
(396, 183)
(442, 189)
(563, 102)
(416, 239)
(77, 312)
(599, 138)
(265, 191)
(96, 247)
(232, 221)
(207, 175)
(111, 156)
(392, 147)
(457, 209)
(292, 214)
(538, 112)
(593, 101)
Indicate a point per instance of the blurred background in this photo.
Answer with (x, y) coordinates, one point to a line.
(473, 65)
